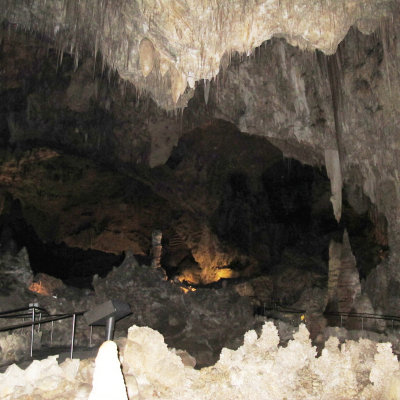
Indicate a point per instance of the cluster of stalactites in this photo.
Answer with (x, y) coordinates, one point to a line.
(165, 46)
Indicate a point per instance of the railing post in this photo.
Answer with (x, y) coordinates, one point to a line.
(51, 333)
(110, 327)
(90, 337)
(362, 323)
(73, 334)
(32, 329)
(341, 320)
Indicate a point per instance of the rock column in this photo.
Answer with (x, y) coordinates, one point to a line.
(156, 249)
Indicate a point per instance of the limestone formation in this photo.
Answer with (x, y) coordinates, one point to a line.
(344, 281)
(108, 382)
(156, 249)
(13, 346)
(43, 378)
(333, 168)
(259, 369)
(146, 56)
(191, 37)
(338, 110)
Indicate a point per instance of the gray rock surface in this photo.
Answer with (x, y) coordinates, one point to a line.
(201, 322)
(307, 103)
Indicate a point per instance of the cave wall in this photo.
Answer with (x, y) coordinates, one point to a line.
(309, 103)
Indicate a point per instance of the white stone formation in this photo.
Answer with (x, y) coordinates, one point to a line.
(260, 369)
(108, 381)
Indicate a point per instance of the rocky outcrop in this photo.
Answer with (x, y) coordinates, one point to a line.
(201, 321)
(15, 272)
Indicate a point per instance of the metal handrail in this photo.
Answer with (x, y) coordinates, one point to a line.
(333, 313)
(279, 308)
(12, 313)
(33, 322)
(286, 310)
(363, 315)
(42, 321)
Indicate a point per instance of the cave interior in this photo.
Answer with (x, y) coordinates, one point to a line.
(279, 166)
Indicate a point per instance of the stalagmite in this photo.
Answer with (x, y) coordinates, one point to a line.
(344, 280)
(108, 381)
(146, 56)
(156, 238)
(333, 169)
(349, 286)
(335, 252)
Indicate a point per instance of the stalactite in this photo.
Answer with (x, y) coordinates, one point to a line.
(234, 25)
(333, 168)
(206, 90)
(146, 56)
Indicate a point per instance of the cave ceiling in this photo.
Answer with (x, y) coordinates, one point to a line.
(164, 47)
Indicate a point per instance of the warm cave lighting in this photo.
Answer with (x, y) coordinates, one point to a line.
(225, 273)
(187, 289)
(37, 287)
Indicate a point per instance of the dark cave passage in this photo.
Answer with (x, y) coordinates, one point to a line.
(74, 266)
(286, 220)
